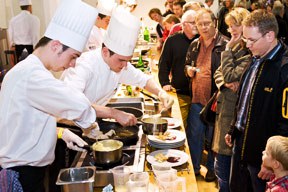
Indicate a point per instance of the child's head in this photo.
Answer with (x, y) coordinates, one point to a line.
(276, 152)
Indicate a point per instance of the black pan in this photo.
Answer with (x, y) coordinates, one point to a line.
(128, 135)
(136, 112)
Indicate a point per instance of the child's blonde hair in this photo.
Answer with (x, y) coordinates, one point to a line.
(278, 148)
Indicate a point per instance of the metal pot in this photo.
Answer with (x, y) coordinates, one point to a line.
(154, 125)
(107, 151)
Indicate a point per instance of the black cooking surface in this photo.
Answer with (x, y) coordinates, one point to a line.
(127, 159)
(135, 105)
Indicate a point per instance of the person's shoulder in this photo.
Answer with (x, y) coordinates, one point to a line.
(16, 17)
(34, 17)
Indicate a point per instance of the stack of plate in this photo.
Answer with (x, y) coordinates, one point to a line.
(154, 141)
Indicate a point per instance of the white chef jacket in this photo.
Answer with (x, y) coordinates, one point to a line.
(97, 81)
(30, 99)
(95, 39)
(24, 29)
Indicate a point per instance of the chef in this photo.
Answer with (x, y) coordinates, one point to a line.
(31, 98)
(99, 72)
(104, 8)
(24, 29)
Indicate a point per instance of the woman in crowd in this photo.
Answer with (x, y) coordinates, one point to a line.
(233, 61)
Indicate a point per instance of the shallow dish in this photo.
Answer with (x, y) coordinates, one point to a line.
(169, 153)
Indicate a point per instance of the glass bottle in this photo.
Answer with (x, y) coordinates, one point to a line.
(146, 34)
(140, 64)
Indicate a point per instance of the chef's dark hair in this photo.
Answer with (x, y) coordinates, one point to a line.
(45, 40)
(102, 15)
(111, 52)
(24, 7)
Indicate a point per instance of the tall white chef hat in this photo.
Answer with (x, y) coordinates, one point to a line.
(72, 23)
(122, 32)
(105, 7)
(131, 2)
(25, 2)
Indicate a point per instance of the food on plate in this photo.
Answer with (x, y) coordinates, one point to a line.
(160, 157)
(166, 136)
(171, 124)
(173, 159)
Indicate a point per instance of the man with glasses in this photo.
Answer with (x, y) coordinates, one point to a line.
(172, 60)
(261, 110)
(202, 60)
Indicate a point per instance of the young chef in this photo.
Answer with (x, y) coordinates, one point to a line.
(31, 97)
(104, 8)
(99, 72)
(24, 29)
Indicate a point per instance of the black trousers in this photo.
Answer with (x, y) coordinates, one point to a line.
(19, 49)
(31, 178)
(243, 176)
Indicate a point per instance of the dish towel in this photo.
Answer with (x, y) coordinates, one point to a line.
(9, 181)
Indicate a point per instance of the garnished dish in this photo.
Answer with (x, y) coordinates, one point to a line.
(167, 158)
(166, 136)
(160, 157)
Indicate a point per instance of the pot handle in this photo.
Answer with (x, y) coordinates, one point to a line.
(86, 147)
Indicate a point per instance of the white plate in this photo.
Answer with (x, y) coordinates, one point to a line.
(180, 136)
(176, 122)
(170, 152)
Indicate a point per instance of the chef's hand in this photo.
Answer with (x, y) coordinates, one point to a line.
(72, 140)
(265, 173)
(166, 99)
(125, 119)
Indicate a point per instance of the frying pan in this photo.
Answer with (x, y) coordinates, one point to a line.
(128, 135)
(136, 112)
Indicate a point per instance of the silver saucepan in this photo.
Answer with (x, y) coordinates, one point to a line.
(154, 125)
(107, 151)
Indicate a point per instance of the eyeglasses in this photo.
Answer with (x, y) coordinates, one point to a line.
(204, 24)
(187, 22)
(253, 41)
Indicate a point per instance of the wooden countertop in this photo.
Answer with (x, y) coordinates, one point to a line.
(187, 172)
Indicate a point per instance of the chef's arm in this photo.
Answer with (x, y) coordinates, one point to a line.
(153, 87)
(125, 119)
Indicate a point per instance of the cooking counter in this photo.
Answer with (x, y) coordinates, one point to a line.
(143, 149)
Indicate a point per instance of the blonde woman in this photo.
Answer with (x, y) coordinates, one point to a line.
(233, 61)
